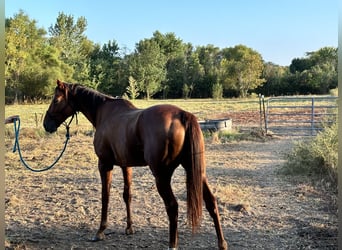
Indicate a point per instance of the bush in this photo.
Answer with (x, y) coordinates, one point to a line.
(315, 157)
(333, 92)
(217, 91)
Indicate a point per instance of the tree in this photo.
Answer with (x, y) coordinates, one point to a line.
(174, 50)
(316, 73)
(148, 67)
(21, 33)
(209, 58)
(193, 71)
(31, 63)
(169, 44)
(43, 68)
(274, 76)
(300, 64)
(242, 67)
(132, 89)
(323, 55)
(75, 49)
(324, 69)
(105, 68)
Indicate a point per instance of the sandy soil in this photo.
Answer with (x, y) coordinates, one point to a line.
(260, 209)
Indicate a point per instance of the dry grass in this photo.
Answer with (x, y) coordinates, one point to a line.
(32, 115)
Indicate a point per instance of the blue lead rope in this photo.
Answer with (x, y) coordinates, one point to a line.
(16, 122)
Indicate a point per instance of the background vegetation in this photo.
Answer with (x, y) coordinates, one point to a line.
(162, 66)
(316, 157)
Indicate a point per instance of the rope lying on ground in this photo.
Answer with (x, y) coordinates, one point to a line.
(16, 122)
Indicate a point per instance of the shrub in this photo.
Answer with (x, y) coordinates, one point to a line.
(315, 157)
(217, 91)
(333, 92)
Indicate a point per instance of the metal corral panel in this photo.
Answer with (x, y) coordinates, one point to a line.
(299, 115)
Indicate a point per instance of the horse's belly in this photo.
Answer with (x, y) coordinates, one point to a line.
(136, 160)
(132, 158)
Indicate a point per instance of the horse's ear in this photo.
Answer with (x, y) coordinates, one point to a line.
(60, 85)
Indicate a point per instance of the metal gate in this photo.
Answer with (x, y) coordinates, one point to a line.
(299, 115)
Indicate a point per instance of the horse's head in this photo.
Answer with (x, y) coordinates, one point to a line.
(60, 108)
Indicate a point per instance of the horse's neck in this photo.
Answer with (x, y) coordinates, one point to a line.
(88, 105)
(90, 116)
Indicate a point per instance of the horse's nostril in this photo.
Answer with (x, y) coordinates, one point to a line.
(49, 127)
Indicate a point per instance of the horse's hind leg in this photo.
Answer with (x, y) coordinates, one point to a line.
(171, 205)
(211, 205)
(106, 179)
(127, 196)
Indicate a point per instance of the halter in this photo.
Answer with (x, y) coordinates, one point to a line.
(16, 122)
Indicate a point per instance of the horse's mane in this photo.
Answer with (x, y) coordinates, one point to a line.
(89, 94)
(94, 97)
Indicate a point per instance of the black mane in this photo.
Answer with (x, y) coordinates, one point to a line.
(90, 99)
(92, 96)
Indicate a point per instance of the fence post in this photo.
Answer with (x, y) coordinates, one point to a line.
(263, 106)
(312, 115)
(260, 112)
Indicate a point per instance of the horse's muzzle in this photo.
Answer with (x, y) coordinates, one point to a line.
(49, 124)
(50, 127)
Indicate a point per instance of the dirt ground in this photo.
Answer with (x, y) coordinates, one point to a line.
(260, 209)
(60, 209)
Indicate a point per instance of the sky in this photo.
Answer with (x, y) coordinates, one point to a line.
(280, 30)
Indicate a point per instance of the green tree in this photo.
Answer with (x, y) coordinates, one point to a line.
(67, 35)
(324, 69)
(275, 83)
(193, 72)
(323, 56)
(21, 32)
(43, 68)
(316, 73)
(105, 68)
(300, 64)
(169, 44)
(32, 65)
(147, 66)
(132, 89)
(242, 67)
(174, 50)
(209, 58)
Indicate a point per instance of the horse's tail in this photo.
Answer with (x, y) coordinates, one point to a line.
(194, 165)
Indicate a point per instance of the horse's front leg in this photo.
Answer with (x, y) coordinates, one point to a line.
(106, 179)
(127, 196)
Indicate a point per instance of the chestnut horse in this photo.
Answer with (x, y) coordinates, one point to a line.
(161, 137)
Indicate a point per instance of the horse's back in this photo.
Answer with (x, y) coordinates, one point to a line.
(150, 136)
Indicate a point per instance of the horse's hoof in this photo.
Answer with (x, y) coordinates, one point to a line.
(129, 230)
(98, 237)
(224, 246)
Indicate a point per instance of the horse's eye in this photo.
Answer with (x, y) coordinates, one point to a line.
(55, 101)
